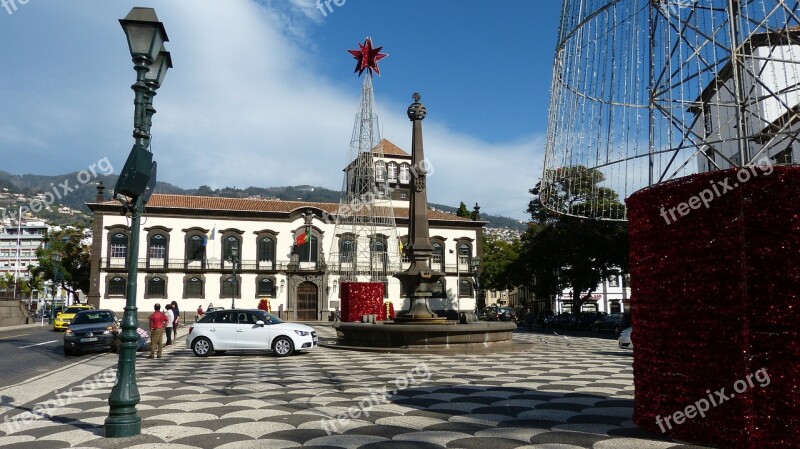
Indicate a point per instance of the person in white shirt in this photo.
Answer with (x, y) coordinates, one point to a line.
(171, 317)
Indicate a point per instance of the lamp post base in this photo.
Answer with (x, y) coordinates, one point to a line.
(122, 427)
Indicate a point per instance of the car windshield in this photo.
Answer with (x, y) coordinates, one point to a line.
(94, 317)
(74, 309)
(268, 317)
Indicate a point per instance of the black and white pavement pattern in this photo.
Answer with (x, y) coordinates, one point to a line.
(558, 394)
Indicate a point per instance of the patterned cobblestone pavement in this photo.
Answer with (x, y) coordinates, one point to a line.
(560, 394)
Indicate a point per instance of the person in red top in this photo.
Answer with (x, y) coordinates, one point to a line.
(158, 320)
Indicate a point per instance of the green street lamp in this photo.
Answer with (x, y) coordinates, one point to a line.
(146, 37)
(55, 258)
(475, 263)
(233, 258)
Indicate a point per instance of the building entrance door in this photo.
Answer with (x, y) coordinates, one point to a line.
(307, 301)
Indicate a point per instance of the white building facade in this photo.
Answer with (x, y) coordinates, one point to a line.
(612, 296)
(186, 243)
(770, 77)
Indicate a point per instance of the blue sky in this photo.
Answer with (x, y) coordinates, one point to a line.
(263, 92)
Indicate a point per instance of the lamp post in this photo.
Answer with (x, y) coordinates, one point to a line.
(475, 263)
(56, 259)
(146, 37)
(458, 282)
(233, 258)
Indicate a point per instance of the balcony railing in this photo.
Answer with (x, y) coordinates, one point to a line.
(334, 265)
(209, 265)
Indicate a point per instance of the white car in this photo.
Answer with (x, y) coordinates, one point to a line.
(624, 340)
(248, 330)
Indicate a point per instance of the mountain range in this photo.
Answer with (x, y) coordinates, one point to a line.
(74, 190)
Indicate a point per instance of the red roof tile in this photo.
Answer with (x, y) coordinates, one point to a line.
(193, 202)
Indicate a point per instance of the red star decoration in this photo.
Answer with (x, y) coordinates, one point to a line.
(367, 57)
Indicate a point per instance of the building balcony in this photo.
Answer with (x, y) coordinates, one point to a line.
(189, 265)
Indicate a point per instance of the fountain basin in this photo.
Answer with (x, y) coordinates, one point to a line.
(425, 337)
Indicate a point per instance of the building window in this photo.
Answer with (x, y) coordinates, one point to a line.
(158, 247)
(405, 173)
(438, 256)
(464, 288)
(156, 286)
(613, 281)
(439, 290)
(380, 171)
(116, 286)
(302, 250)
(266, 287)
(227, 247)
(378, 251)
(194, 288)
(347, 251)
(464, 256)
(196, 247)
(392, 168)
(266, 251)
(229, 286)
(386, 290)
(119, 245)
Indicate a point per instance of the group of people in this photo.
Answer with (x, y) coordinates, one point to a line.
(163, 323)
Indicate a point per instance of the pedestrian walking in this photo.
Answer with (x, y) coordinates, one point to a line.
(171, 318)
(199, 313)
(177, 321)
(158, 320)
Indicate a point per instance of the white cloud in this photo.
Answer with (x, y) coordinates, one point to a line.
(242, 107)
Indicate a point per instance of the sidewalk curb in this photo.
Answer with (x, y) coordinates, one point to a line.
(34, 388)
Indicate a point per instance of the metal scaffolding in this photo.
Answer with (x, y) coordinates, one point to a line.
(645, 91)
(365, 245)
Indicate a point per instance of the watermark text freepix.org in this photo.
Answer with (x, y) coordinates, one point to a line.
(323, 5)
(11, 5)
(415, 376)
(703, 405)
(46, 409)
(717, 190)
(62, 189)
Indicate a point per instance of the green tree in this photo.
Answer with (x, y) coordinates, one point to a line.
(7, 284)
(560, 251)
(463, 211)
(574, 191)
(74, 268)
(498, 259)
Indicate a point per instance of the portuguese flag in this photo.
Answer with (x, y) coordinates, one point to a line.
(304, 238)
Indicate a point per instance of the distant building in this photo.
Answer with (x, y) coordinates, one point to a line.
(186, 244)
(771, 75)
(18, 245)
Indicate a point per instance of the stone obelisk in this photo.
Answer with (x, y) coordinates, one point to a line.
(419, 278)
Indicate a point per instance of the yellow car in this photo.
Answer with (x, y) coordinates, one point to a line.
(64, 318)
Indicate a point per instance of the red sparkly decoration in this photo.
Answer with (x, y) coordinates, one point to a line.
(716, 299)
(367, 57)
(362, 298)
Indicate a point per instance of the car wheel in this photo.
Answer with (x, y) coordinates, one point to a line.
(202, 347)
(68, 351)
(282, 346)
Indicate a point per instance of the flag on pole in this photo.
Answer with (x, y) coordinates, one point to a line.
(303, 238)
(213, 233)
(210, 236)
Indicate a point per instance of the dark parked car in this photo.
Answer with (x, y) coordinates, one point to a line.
(614, 322)
(586, 320)
(91, 330)
(543, 316)
(563, 320)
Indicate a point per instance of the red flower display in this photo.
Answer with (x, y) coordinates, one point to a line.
(362, 298)
(716, 298)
